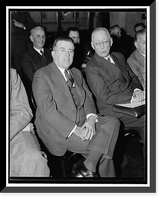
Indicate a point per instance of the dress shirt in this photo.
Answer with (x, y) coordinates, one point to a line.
(38, 50)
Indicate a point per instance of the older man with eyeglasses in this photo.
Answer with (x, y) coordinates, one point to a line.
(112, 81)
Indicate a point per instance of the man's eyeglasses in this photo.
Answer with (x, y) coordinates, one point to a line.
(41, 36)
(64, 51)
(103, 43)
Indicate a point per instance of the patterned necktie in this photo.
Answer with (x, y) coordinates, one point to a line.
(42, 53)
(70, 80)
(110, 59)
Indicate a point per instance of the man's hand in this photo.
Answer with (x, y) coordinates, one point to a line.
(89, 127)
(138, 95)
(18, 24)
(80, 132)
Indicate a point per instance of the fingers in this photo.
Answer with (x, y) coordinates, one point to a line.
(139, 95)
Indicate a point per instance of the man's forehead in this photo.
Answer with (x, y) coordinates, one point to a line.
(38, 32)
(100, 34)
(142, 37)
(65, 44)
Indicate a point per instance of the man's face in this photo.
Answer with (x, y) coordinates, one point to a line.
(75, 36)
(38, 38)
(63, 54)
(117, 32)
(141, 43)
(101, 43)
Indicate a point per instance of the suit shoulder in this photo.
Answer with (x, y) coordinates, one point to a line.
(43, 71)
(132, 56)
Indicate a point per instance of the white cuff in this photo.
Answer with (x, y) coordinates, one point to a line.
(71, 131)
(92, 114)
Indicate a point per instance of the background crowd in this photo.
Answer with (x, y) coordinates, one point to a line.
(111, 69)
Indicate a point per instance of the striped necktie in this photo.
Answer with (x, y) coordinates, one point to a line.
(42, 53)
(70, 80)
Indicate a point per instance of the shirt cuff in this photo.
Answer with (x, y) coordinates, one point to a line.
(92, 114)
(71, 131)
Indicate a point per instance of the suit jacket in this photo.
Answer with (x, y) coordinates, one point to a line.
(56, 112)
(111, 84)
(20, 111)
(32, 61)
(137, 63)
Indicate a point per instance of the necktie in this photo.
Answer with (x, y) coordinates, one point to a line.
(110, 59)
(70, 80)
(42, 53)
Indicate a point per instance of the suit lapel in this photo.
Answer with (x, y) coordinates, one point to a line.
(121, 66)
(78, 85)
(140, 58)
(59, 79)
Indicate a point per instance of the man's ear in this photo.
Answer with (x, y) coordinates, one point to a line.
(111, 41)
(92, 45)
(136, 44)
(31, 38)
(53, 53)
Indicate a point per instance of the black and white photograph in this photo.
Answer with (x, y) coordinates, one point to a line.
(80, 93)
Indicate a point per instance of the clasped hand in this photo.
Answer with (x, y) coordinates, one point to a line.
(138, 96)
(87, 131)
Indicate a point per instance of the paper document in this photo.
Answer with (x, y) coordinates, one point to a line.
(132, 105)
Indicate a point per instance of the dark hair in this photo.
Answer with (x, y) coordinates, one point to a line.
(113, 27)
(139, 24)
(62, 38)
(71, 29)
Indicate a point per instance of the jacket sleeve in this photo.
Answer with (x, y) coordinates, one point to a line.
(20, 111)
(106, 91)
(28, 67)
(134, 67)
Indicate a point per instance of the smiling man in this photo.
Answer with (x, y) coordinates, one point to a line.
(38, 56)
(66, 117)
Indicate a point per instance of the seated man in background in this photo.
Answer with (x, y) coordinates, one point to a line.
(112, 81)
(26, 159)
(66, 117)
(36, 57)
(137, 60)
(83, 52)
(139, 26)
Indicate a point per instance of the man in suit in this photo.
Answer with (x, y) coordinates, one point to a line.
(38, 56)
(66, 117)
(26, 159)
(83, 52)
(35, 58)
(138, 58)
(112, 81)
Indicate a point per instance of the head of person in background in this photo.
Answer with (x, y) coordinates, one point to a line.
(38, 37)
(73, 33)
(115, 30)
(139, 26)
(101, 41)
(140, 41)
(63, 52)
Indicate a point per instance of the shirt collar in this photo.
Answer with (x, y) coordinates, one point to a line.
(38, 50)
